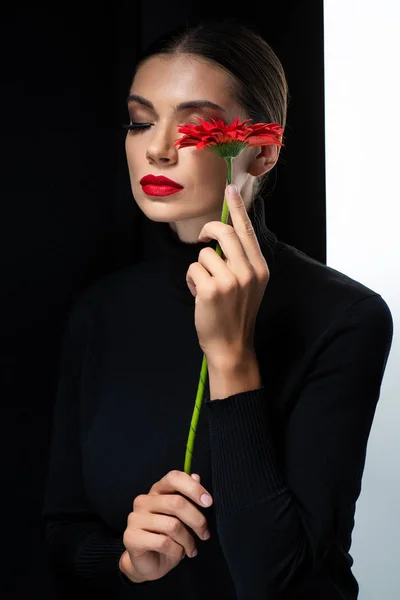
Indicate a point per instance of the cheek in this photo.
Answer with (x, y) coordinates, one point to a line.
(132, 153)
(128, 149)
(211, 167)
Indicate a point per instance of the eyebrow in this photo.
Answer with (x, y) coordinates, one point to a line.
(178, 107)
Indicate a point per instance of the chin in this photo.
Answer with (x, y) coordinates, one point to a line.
(158, 210)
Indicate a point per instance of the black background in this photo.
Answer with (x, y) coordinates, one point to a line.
(68, 214)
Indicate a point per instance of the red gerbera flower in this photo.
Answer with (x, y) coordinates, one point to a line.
(229, 140)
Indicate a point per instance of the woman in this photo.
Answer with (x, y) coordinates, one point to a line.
(281, 442)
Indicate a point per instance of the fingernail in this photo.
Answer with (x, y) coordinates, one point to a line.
(232, 189)
(206, 500)
(207, 535)
(195, 476)
(194, 553)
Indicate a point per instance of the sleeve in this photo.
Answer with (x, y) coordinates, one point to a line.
(80, 549)
(275, 523)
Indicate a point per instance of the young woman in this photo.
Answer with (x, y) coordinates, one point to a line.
(296, 355)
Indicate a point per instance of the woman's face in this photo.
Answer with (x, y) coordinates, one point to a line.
(166, 82)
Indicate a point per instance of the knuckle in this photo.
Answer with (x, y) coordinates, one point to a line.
(248, 278)
(204, 251)
(264, 274)
(172, 475)
(175, 502)
(128, 539)
(173, 525)
(138, 501)
(249, 229)
(231, 284)
(189, 275)
(262, 278)
(164, 543)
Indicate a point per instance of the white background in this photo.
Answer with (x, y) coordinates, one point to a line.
(362, 119)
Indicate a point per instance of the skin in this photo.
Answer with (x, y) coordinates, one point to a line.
(167, 81)
(156, 537)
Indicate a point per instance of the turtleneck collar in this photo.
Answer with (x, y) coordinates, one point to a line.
(176, 255)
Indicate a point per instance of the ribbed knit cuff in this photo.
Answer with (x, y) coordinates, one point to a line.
(244, 467)
(97, 561)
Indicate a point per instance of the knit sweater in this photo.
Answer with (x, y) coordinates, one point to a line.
(283, 463)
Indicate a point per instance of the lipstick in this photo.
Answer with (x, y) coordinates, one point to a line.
(158, 185)
(160, 190)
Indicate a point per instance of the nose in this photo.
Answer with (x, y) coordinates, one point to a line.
(161, 149)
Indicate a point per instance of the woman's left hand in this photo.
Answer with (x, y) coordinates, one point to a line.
(229, 290)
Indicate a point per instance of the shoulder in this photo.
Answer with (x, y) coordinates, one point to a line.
(315, 297)
(308, 271)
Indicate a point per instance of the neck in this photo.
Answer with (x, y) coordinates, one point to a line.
(176, 255)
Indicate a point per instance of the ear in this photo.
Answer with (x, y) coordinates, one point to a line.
(265, 158)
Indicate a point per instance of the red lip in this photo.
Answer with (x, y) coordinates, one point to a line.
(159, 180)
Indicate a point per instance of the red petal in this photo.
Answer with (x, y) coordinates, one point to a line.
(263, 140)
(208, 133)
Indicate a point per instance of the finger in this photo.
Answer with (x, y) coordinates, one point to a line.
(141, 541)
(175, 505)
(177, 531)
(227, 238)
(235, 269)
(237, 210)
(198, 278)
(179, 481)
(166, 525)
(244, 229)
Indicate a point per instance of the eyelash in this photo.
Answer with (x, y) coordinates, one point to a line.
(135, 127)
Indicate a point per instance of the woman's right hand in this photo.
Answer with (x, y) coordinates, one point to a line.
(156, 538)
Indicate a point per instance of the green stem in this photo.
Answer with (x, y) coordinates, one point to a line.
(204, 368)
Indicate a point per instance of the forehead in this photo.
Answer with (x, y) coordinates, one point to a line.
(183, 77)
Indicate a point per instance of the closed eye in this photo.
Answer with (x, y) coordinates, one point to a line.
(137, 127)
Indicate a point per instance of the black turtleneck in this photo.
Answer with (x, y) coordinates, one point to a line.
(283, 463)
